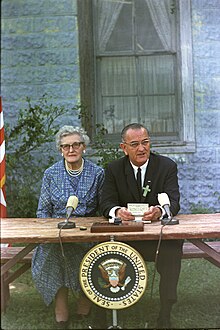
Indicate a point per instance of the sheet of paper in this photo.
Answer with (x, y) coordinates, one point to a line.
(138, 209)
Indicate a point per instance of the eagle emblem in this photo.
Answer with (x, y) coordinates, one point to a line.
(113, 273)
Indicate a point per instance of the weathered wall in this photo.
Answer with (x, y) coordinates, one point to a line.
(40, 54)
(199, 173)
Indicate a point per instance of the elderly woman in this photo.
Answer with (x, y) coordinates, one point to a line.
(73, 175)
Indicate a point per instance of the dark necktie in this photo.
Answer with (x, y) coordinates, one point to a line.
(139, 181)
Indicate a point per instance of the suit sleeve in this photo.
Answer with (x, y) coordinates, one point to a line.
(109, 197)
(171, 187)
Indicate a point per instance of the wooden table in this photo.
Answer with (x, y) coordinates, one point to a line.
(32, 231)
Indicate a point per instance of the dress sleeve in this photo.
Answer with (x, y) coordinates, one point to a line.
(44, 209)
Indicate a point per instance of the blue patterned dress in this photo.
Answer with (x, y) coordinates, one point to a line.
(49, 271)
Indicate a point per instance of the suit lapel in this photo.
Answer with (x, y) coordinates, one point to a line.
(131, 180)
(149, 177)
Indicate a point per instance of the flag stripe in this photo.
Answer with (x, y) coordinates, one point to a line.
(3, 209)
(2, 152)
(3, 201)
(1, 119)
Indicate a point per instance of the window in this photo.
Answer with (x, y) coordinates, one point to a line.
(135, 64)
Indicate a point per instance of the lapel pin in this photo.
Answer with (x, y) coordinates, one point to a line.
(146, 190)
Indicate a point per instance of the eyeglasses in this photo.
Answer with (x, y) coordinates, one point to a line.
(136, 144)
(74, 145)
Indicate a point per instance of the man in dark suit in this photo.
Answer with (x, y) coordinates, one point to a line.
(158, 175)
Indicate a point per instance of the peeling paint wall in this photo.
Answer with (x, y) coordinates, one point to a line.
(199, 173)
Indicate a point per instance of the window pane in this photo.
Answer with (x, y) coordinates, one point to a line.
(118, 76)
(138, 26)
(159, 114)
(118, 98)
(118, 112)
(113, 25)
(156, 74)
(138, 89)
(147, 36)
(121, 38)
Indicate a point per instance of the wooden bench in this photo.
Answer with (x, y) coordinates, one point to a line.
(7, 253)
(192, 251)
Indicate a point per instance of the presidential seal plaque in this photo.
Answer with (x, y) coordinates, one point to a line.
(113, 275)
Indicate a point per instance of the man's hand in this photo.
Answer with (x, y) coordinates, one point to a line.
(124, 214)
(153, 213)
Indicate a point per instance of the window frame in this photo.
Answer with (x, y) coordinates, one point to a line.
(88, 77)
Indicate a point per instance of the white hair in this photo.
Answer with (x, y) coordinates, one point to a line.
(70, 130)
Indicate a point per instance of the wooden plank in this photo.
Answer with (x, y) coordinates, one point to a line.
(33, 230)
(192, 251)
(189, 251)
(7, 253)
(15, 274)
(101, 227)
(212, 253)
(16, 258)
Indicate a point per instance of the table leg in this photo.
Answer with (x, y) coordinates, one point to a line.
(5, 293)
(213, 255)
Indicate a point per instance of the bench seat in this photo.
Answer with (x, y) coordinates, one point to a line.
(192, 251)
(7, 253)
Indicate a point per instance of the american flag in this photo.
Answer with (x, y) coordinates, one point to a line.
(3, 212)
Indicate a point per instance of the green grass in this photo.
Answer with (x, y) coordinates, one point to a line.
(198, 305)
